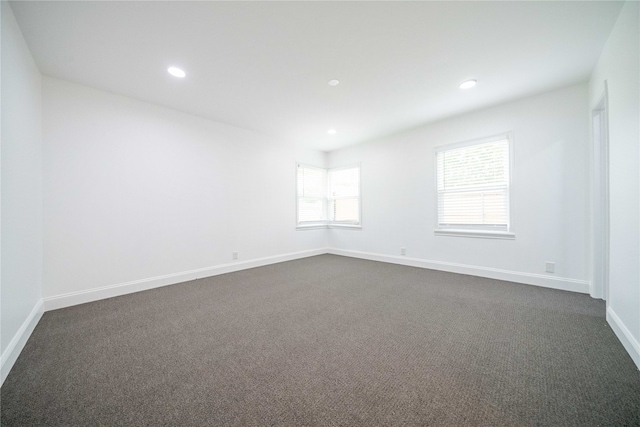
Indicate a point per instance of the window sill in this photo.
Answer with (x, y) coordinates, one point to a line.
(325, 226)
(312, 227)
(483, 234)
(346, 226)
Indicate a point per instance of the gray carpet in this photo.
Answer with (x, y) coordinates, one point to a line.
(327, 341)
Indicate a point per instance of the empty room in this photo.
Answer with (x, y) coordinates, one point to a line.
(301, 213)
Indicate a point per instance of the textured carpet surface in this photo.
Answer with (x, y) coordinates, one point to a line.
(327, 341)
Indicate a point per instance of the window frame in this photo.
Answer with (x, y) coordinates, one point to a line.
(327, 222)
(478, 231)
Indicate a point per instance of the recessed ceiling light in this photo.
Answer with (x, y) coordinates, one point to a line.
(334, 82)
(176, 72)
(467, 84)
(331, 131)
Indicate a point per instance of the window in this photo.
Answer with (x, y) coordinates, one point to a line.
(328, 197)
(344, 195)
(473, 182)
(312, 195)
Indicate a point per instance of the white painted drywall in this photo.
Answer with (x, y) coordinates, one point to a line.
(135, 191)
(619, 67)
(21, 183)
(550, 209)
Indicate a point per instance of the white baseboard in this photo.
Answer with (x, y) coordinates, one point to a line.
(109, 291)
(561, 283)
(624, 335)
(95, 294)
(19, 340)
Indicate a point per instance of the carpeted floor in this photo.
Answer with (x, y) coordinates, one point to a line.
(327, 341)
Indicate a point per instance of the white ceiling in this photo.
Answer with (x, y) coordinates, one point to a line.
(265, 65)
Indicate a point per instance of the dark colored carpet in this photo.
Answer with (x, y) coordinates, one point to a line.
(327, 341)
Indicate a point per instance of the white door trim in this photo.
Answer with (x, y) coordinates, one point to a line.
(600, 198)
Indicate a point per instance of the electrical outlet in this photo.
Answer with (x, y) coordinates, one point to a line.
(234, 255)
(550, 267)
(403, 251)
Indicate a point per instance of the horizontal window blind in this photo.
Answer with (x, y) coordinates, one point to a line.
(311, 194)
(310, 210)
(473, 186)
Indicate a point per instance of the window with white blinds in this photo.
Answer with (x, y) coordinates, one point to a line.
(312, 195)
(344, 195)
(328, 197)
(473, 185)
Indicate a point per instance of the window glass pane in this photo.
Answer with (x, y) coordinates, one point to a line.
(345, 182)
(485, 207)
(475, 166)
(310, 210)
(311, 182)
(345, 210)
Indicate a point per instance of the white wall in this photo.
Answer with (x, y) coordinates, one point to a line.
(134, 191)
(619, 66)
(21, 288)
(550, 207)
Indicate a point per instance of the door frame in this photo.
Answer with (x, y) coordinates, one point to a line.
(600, 198)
